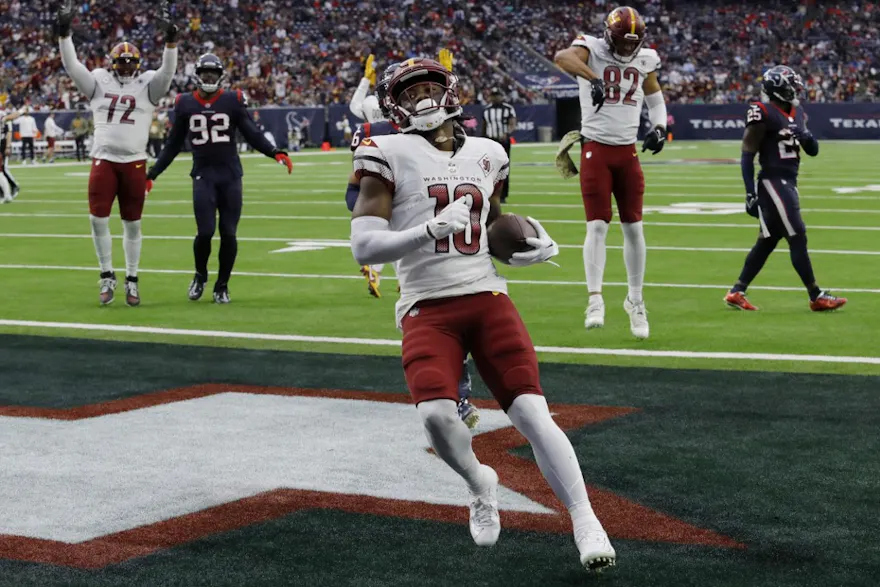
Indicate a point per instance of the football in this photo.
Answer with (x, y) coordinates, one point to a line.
(508, 234)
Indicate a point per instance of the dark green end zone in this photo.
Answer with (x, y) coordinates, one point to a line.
(784, 463)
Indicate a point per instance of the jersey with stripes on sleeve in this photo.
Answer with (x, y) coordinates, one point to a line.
(779, 153)
(423, 180)
(497, 118)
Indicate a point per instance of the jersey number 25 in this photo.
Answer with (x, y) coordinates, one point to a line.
(211, 130)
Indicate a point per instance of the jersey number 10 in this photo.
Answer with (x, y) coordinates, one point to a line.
(213, 132)
(440, 192)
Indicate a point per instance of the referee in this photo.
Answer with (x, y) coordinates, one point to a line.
(499, 122)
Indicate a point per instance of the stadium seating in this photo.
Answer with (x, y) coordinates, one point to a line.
(290, 52)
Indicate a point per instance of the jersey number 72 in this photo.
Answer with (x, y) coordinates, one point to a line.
(211, 129)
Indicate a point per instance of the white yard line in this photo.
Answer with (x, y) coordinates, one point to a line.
(387, 342)
(356, 276)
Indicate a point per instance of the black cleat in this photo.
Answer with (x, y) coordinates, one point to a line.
(196, 288)
(221, 296)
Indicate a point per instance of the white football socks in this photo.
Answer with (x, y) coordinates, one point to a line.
(103, 242)
(634, 254)
(555, 457)
(131, 245)
(451, 440)
(5, 188)
(594, 254)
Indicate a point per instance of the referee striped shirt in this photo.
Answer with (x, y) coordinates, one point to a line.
(497, 119)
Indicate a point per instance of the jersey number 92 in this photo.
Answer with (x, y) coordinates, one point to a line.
(213, 129)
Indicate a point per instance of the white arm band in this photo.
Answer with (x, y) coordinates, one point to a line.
(79, 73)
(161, 82)
(372, 242)
(357, 101)
(656, 109)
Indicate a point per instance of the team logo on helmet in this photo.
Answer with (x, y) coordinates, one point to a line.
(209, 73)
(421, 95)
(125, 61)
(782, 83)
(624, 33)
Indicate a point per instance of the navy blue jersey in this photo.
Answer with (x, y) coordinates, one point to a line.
(211, 125)
(780, 151)
(371, 129)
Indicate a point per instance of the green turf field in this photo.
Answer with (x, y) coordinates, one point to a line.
(296, 277)
(729, 449)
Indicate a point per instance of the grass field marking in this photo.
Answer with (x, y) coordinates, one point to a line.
(675, 208)
(156, 198)
(327, 243)
(356, 276)
(396, 343)
(713, 225)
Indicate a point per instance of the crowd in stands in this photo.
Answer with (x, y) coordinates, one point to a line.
(303, 52)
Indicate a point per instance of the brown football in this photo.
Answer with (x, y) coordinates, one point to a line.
(508, 234)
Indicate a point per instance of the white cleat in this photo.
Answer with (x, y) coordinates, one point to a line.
(485, 522)
(595, 550)
(595, 315)
(638, 318)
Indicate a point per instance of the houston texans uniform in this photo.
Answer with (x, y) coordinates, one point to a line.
(216, 171)
(779, 158)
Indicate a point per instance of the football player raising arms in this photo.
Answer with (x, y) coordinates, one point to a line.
(122, 100)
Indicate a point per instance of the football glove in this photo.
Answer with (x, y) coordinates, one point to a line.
(543, 247)
(64, 19)
(655, 140)
(170, 29)
(370, 69)
(597, 92)
(149, 188)
(445, 59)
(752, 205)
(452, 219)
(283, 159)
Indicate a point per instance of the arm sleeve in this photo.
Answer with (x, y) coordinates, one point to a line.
(372, 240)
(251, 133)
(747, 164)
(503, 163)
(656, 109)
(357, 101)
(161, 82)
(79, 73)
(172, 146)
(809, 142)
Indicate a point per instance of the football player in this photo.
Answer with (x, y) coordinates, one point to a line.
(122, 102)
(776, 133)
(616, 75)
(466, 410)
(210, 117)
(8, 187)
(364, 106)
(427, 197)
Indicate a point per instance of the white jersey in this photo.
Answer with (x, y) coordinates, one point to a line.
(122, 115)
(423, 181)
(121, 112)
(617, 122)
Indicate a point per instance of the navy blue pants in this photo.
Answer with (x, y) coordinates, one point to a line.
(779, 209)
(213, 193)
